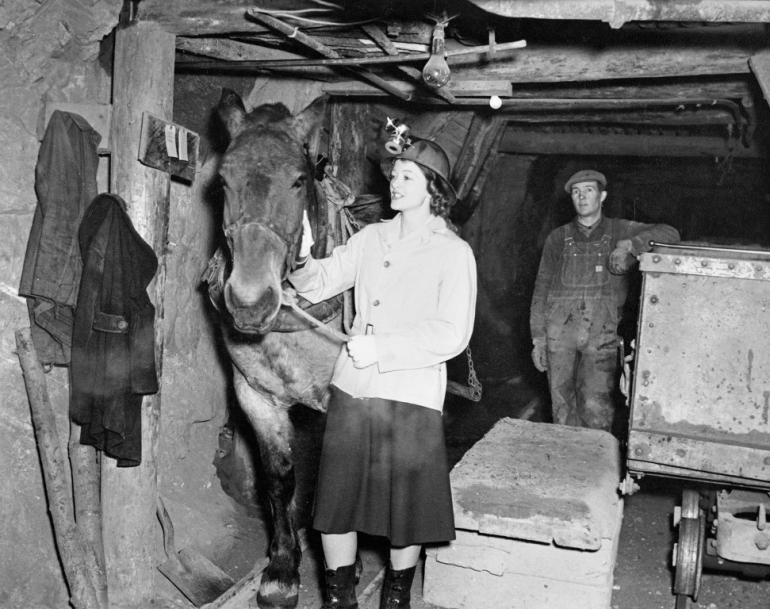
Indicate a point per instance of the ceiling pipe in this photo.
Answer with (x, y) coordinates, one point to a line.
(618, 12)
(742, 120)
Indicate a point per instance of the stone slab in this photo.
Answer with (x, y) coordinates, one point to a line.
(538, 519)
(539, 482)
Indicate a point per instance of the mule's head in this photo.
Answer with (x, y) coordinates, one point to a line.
(267, 181)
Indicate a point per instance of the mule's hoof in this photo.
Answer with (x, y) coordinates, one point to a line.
(273, 596)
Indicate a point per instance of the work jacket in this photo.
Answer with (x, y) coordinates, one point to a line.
(65, 184)
(113, 346)
(416, 295)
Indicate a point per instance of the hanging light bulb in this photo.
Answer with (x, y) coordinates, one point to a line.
(436, 73)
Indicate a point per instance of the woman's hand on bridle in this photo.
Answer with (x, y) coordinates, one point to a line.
(307, 237)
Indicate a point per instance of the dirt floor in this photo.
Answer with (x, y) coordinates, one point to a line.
(643, 574)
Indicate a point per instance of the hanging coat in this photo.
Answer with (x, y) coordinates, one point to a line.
(65, 184)
(113, 359)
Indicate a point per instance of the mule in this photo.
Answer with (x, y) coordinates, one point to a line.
(267, 182)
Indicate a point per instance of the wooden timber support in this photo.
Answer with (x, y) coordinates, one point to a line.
(142, 82)
(74, 551)
(322, 49)
(536, 142)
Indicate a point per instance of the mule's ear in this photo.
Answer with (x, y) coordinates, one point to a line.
(231, 111)
(311, 119)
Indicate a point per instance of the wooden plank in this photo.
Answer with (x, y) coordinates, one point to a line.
(231, 50)
(724, 87)
(202, 17)
(143, 81)
(168, 147)
(69, 541)
(579, 63)
(630, 118)
(617, 13)
(459, 88)
(520, 141)
(760, 67)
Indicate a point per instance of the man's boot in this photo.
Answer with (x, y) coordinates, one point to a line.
(340, 590)
(396, 589)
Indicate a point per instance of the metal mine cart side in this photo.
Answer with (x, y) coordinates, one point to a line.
(700, 403)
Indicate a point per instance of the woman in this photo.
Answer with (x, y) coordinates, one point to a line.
(383, 468)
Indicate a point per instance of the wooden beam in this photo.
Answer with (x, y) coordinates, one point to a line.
(465, 88)
(201, 17)
(617, 13)
(645, 118)
(725, 87)
(316, 46)
(232, 50)
(579, 63)
(522, 141)
(142, 81)
(552, 65)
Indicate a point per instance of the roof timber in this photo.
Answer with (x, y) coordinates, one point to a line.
(202, 17)
(522, 140)
(545, 63)
(618, 12)
(731, 87)
(576, 63)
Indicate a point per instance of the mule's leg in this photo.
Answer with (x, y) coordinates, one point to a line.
(279, 587)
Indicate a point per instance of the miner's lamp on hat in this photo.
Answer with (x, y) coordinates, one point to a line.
(428, 154)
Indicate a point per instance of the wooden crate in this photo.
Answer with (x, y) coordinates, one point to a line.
(538, 517)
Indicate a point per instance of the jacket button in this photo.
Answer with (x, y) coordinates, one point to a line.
(376, 303)
(122, 325)
(386, 264)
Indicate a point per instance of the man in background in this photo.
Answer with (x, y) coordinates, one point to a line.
(579, 294)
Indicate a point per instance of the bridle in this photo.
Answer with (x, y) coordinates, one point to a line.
(290, 239)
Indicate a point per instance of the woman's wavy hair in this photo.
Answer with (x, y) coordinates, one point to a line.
(440, 198)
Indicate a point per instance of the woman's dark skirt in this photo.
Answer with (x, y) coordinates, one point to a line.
(384, 471)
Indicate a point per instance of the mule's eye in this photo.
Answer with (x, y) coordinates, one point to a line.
(299, 182)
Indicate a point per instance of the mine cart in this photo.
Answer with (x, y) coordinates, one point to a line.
(700, 403)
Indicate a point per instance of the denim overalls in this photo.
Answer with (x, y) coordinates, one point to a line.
(581, 329)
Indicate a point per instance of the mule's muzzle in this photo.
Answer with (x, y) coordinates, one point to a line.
(253, 318)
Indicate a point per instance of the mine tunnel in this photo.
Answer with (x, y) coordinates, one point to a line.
(669, 101)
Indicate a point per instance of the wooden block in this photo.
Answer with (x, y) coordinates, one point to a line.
(168, 147)
(99, 116)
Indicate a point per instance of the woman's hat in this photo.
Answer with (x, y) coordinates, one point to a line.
(428, 154)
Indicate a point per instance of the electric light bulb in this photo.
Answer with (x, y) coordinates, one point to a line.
(436, 73)
(495, 102)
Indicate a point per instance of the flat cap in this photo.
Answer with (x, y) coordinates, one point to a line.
(586, 175)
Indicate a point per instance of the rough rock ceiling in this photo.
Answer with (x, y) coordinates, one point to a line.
(638, 65)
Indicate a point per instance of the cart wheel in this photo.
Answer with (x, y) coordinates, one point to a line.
(682, 602)
(689, 550)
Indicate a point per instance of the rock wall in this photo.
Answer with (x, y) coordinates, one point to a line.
(51, 51)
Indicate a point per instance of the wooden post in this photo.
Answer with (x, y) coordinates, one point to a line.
(347, 144)
(70, 543)
(142, 82)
